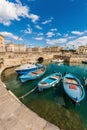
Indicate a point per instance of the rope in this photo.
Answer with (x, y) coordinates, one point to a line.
(22, 97)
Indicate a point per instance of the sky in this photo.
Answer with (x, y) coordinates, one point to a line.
(44, 22)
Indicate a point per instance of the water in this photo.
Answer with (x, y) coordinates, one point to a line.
(52, 104)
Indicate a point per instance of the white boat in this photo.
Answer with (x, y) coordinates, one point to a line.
(26, 68)
(49, 81)
(57, 60)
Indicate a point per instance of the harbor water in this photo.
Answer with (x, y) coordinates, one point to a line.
(52, 104)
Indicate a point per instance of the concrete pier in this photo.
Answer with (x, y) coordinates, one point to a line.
(16, 116)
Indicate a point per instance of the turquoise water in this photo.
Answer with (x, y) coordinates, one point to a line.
(48, 102)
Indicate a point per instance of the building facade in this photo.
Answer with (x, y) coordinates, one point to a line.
(12, 47)
(82, 50)
(2, 44)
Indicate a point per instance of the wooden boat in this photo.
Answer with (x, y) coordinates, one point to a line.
(26, 68)
(73, 88)
(32, 75)
(49, 81)
(57, 60)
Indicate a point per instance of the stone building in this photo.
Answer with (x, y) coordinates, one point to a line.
(34, 50)
(12, 47)
(46, 50)
(82, 50)
(2, 44)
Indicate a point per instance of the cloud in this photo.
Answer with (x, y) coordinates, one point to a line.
(81, 41)
(10, 35)
(56, 41)
(40, 34)
(10, 11)
(38, 27)
(33, 17)
(28, 30)
(48, 21)
(77, 32)
(53, 29)
(50, 34)
(39, 38)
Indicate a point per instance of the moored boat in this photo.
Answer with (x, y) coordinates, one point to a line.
(57, 60)
(49, 81)
(32, 75)
(73, 88)
(26, 68)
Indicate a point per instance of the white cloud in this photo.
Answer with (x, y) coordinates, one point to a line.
(40, 34)
(56, 41)
(10, 11)
(10, 35)
(50, 34)
(77, 32)
(33, 17)
(81, 41)
(53, 29)
(48, 21)
(38, 27)
(28, 30)
(39, 38)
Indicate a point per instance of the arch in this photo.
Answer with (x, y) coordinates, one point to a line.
(40, 59)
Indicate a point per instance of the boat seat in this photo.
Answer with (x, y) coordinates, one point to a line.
(55, 77)
(73, 87)
(43, 82)
(70, 81)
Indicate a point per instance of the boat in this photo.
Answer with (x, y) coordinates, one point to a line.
(73, 88)
(85, 82)
(57, 60)
(49, 81)
(26, 68)
(84, 62)
(32, 75)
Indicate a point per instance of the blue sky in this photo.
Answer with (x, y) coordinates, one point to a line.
(44, 22)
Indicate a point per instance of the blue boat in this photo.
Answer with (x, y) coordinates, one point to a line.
(49, 81)
(73, 88)
(26, 68)
(32, 75)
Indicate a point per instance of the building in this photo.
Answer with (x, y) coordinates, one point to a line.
(34, 50)
(46, 50)
(12, 47)
(55, 49)
(82, 50)
(2, 44)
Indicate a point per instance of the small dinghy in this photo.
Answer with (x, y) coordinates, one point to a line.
(32, 75)
(49, 81)
(73, 88)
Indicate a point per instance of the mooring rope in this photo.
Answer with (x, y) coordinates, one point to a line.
(22, 97)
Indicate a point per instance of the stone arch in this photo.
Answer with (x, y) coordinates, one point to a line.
(40, 59)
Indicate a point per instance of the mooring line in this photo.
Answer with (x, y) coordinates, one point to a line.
(22, 97)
